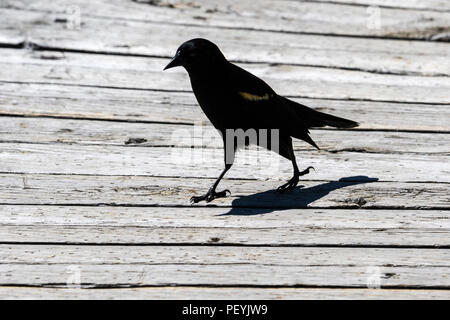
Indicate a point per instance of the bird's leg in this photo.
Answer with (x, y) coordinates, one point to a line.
(212, 194)
(291, 184)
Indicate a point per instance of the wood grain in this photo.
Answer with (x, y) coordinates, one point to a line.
(278, 16)
(435, 5)
(380, 56)
(221, 275)
(299, 236)
(356, 192)
(27, 99)
(223, 226)
(95, 132)
(146, 73)
(197, 293)
(138, 266)
(248, 218)
(100, 152)
(207, 163)
(197, 255)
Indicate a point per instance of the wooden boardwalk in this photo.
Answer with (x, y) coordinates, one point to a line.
(97, 165)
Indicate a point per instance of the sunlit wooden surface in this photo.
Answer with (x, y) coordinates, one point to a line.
(100, 151)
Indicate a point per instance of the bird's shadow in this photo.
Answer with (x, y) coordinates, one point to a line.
(269, 201)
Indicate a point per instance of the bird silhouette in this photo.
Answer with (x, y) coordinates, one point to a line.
(246, 110)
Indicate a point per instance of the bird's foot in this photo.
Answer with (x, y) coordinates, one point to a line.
(210, 196)
(291, 184)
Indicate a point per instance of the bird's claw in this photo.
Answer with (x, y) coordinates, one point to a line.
(210, 196)
(291, 184)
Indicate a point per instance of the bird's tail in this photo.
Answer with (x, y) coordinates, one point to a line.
(324, 119)
(312, 118)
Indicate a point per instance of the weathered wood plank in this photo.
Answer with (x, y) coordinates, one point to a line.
(189, 293)
(281, 16)
(405, 266)
(47, 265)
(436, 5)
(179, 107)
(214, 217)
(237, 226)
(207, 163)
(136, 266)
(298, 236)
(371, 55)
(153, 191)
(146, 73)
(209, 255)
(226, 274)
(48, 130)
(378, 56)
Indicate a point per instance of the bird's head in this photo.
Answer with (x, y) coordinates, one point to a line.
(196, 54)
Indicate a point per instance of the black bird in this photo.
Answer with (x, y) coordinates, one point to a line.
(233, 99)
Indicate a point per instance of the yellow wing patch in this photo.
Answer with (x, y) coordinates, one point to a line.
(253, 97)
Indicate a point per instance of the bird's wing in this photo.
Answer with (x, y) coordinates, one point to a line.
(274, 111)
(248, 86)
(261, 107)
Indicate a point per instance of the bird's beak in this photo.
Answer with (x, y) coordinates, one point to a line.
(175, 62)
